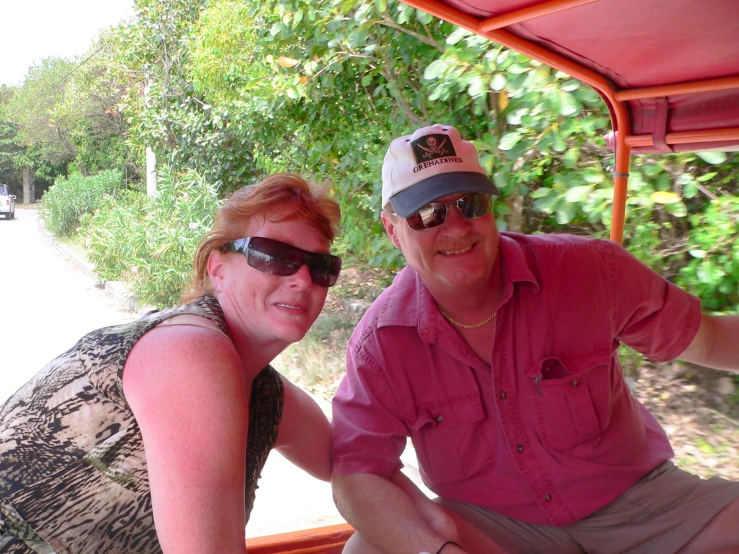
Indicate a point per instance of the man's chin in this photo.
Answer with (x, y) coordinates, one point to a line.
(460, 274)
(464, 281)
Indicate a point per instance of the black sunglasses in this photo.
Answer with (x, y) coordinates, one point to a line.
(277, 258)
(434, 214)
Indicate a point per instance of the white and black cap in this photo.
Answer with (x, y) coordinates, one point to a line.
(431, 163)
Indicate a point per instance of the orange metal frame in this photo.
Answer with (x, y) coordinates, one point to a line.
(323, 540)
(616, 99)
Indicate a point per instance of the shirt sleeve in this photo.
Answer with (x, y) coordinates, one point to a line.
(651, 314)
(368, 433)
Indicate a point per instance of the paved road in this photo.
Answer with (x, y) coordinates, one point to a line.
(46, 305)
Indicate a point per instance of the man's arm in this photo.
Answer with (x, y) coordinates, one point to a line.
(394, 515)
(716, 344)
(304, 437)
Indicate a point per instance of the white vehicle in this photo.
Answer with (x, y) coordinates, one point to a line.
(7, 202)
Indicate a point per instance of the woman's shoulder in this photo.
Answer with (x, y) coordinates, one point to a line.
(206, 308)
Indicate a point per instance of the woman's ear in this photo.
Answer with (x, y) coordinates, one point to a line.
(216, 268)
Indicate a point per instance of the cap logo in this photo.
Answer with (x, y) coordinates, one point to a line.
(433, 150)
(431, 147)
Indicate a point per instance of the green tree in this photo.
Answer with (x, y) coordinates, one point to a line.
(34, 109)
(91, 111)
(9, 146)
(240, 89)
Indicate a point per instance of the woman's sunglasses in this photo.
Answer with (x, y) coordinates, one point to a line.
(434, 214)
(277, 258)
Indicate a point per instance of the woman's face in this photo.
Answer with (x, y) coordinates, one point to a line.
(270, 309)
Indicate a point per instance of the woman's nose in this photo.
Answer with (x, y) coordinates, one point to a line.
(301, 278)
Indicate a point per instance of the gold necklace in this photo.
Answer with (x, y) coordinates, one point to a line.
(462, 325)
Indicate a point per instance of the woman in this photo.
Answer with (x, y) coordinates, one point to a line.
(150, 436)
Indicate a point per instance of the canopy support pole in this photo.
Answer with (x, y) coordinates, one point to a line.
(620, 186)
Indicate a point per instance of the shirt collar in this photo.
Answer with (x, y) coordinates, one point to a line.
(408, 302)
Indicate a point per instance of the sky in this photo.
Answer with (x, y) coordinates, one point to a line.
(35, 29)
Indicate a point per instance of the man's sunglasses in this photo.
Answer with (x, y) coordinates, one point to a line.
(277, 258)
(434, 214)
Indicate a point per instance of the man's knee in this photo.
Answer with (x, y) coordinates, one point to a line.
(719, 536)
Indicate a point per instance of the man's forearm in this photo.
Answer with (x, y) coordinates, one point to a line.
(716, 344)
(385, 515)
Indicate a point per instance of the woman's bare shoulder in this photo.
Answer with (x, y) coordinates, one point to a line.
(178, 358)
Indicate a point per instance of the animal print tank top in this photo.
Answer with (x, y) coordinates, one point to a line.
(73, 473)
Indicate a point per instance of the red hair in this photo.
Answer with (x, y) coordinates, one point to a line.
(310, 203)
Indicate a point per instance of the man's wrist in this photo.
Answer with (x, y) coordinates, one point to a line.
(441, 548)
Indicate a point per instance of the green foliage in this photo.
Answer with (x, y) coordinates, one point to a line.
(9, 143)
(66, 112)
(230, 91)
(712, 271)
(72, 197)
(161, 110)
(682, 221)
(322, 89)
(33, 109)
(151, 242)
(90, 110)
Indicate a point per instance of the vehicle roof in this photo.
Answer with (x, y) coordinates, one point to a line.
(629, 45)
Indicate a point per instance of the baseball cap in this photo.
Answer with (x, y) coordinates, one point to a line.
(431, 163)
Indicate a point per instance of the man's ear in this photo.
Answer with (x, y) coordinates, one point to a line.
(389, 223)
(215, 269)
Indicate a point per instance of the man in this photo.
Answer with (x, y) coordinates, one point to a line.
(496, 353)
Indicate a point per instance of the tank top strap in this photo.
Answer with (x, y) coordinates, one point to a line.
(194, 320)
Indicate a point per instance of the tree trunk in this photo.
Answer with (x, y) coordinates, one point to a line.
(151, 173)
(29, 186)
(514, 220)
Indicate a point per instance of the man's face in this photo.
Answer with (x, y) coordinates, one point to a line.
(457, 255)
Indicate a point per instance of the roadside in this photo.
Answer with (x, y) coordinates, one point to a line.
(47, 305)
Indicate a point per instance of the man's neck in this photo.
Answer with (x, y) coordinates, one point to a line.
(475, 302)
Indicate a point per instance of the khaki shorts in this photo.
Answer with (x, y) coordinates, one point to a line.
(659, 514)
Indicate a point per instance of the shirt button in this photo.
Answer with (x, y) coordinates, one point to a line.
(503, 395)
(520, 448)
(575, 382)
(547, 498)
(439, 419)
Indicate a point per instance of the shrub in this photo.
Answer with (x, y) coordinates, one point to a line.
(72, 197)
(150, 242)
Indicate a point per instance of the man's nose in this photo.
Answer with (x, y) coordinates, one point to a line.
(455, 221)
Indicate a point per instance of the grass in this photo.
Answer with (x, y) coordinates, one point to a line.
(317, 363)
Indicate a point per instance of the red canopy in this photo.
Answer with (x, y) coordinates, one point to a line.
(668, 70)
(621, 47)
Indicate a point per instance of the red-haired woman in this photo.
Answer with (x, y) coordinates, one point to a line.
(150, 436)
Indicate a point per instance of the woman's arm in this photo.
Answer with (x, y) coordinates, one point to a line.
(304, 437)
(188, 392)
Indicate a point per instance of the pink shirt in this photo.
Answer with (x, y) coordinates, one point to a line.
(552, 433)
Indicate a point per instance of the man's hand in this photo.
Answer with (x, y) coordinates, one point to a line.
(434, 515)
(393, 515)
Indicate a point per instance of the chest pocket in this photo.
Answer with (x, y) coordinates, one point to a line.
(450, 439)
(571, 397)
